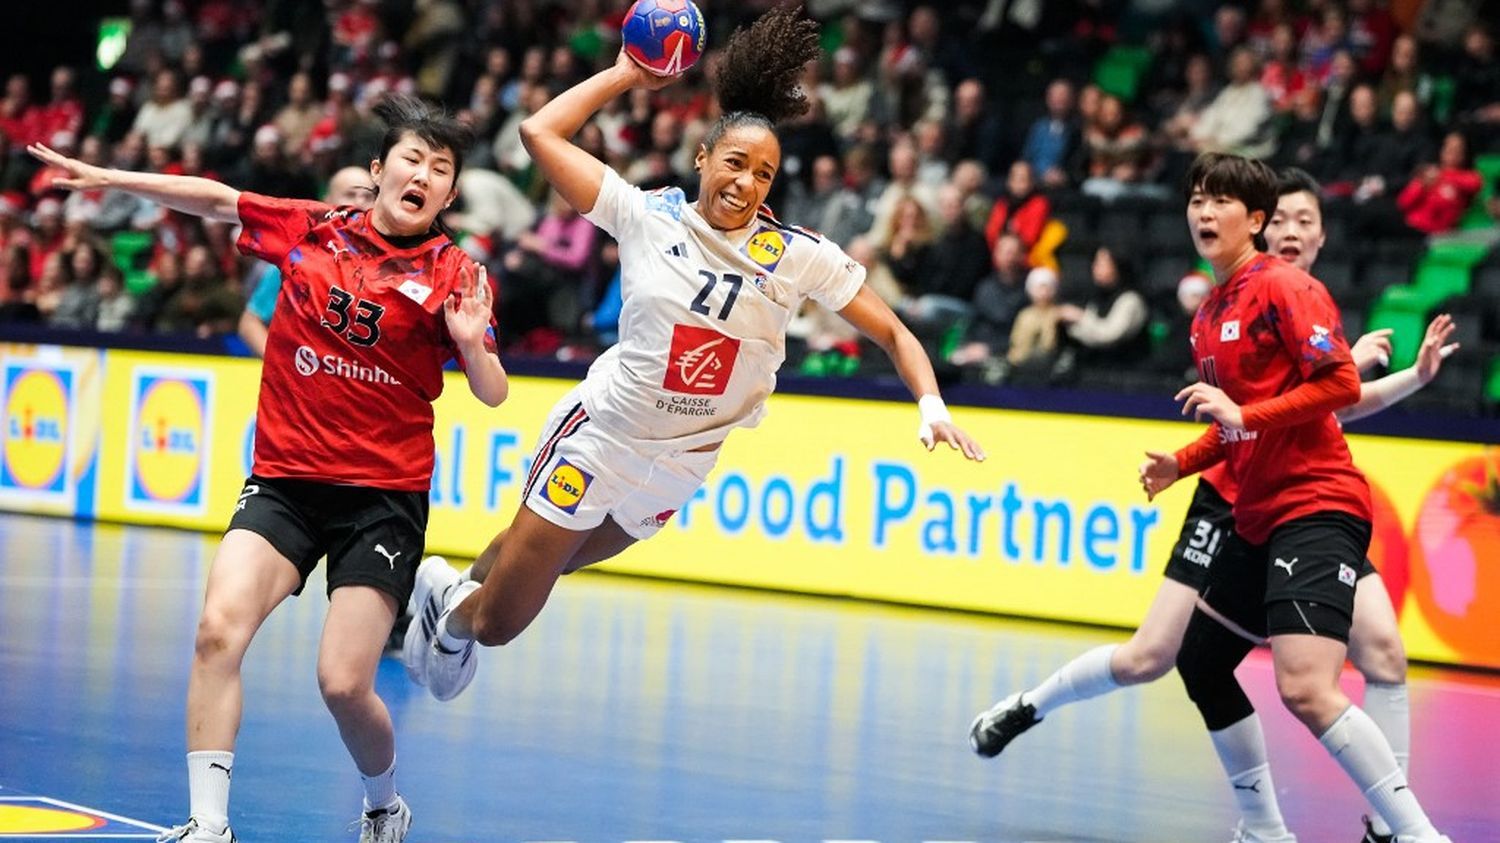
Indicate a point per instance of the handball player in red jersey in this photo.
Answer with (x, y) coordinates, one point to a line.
(373, 305)
(1274, 369)
(1295, 233)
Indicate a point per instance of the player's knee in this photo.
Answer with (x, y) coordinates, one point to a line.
(1138, 663)
(1310, 698)
(342, 689)
(221, 635)
(1382, 659)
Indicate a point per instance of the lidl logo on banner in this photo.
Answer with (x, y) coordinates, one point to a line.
(168, 457)
(37, 424)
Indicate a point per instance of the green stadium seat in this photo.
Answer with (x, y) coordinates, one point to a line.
(1407, 329)
(1492, 384)
(1478, 215)
(1121, 70)
(130, 251)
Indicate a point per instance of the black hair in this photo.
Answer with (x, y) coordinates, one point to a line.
(1297, 180)
(1249, 180)
(759, 76)
(437, 128)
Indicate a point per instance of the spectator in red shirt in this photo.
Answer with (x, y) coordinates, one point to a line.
(1022, 211)
(64, 112)
(375, 303)
(18, 117)
(1432, 202)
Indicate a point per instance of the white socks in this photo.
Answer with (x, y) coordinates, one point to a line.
(208, 788)
(461, 592)
(380, 789)
(1080, 679)
(1388, 706)
(1357, 744)
(1242, 751)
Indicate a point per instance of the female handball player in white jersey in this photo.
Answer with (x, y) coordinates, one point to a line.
(709, 287)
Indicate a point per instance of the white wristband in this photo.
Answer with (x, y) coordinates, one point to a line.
(933, 410)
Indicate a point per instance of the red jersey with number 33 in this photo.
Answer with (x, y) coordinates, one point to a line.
(355, 356)
(1258, 335)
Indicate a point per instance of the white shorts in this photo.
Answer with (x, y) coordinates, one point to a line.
(579, 474)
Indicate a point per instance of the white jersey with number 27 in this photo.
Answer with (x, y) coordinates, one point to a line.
(703, 325)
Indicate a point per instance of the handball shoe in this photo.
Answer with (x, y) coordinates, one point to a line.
(1000, 725)
(192, 832)
(434, 577)
(385, 825)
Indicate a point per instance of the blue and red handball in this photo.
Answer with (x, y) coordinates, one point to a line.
(664, 36)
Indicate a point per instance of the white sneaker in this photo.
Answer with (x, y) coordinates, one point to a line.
(386, 825)
(449, 672)
(434, 577)
(1245, 835)
(192, 832)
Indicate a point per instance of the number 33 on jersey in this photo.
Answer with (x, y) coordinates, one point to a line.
(360, 327)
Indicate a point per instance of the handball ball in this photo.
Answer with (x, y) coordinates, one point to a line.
(664, 36)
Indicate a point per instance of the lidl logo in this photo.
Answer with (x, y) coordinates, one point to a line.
(168, 454)
(567, 485)
(766, 247)
(37, 425)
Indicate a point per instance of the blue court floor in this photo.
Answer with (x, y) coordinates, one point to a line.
(640, 711)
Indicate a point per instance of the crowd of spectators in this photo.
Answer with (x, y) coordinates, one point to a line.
(1014, 196)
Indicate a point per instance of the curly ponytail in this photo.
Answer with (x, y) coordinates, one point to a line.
(758, 82)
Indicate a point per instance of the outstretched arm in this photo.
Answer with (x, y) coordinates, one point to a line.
(1397, 386)
(548, 134)
(199, 197)
(875, 319)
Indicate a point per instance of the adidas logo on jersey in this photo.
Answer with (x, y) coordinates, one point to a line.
(678, 250)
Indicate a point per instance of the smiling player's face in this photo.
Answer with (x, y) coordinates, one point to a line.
(736, 176)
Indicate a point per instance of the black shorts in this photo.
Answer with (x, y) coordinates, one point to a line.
(1301, 581)
(1205, 529)
(371, 537)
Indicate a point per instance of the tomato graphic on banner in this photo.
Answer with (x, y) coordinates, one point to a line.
(1456, 558)
(167, 468)
(37, 428)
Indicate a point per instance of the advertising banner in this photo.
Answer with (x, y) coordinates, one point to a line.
(828, 496)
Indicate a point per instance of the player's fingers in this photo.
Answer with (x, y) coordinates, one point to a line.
(1447, 351)
(1185, 392)
(43, 153)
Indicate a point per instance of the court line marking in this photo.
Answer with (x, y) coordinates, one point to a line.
(154, 829)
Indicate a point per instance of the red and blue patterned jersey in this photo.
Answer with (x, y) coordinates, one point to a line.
(1259, 334)
(355, 356)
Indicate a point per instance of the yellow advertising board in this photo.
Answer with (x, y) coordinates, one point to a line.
(827, 496)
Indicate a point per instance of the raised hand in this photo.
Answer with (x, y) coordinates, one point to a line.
(468, 311)
(81, 176)
(1433, 352)
(640, 77)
